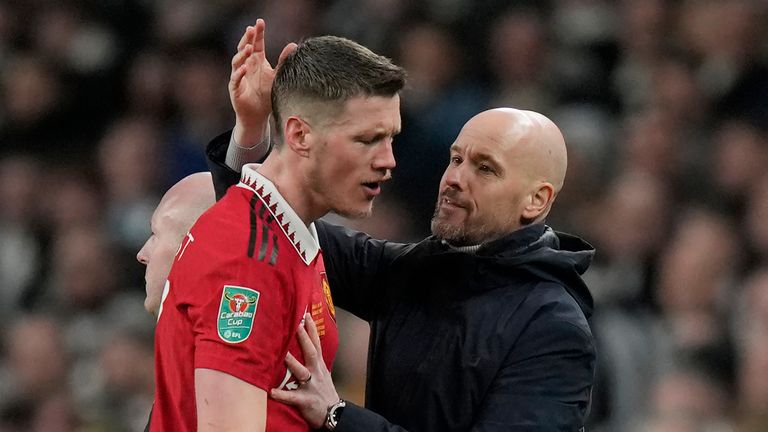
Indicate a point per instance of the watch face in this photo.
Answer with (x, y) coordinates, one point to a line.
(337, 413)
(334, 413)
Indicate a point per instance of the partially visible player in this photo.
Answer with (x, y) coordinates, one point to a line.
(250, 270)
(179, 208)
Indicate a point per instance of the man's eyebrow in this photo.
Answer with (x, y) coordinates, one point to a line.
(488, 157)
(388, 132)
(378, 134)
(479, 156)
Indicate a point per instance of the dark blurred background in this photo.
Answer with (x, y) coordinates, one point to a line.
(664, 105)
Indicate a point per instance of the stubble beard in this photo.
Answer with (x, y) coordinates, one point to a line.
(462, 234)
(354, 213)
(455, 235)
(329, 193)
(335, 201)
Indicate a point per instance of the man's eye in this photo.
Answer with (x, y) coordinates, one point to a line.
(370, 141)
(486, 168)
(455, 160)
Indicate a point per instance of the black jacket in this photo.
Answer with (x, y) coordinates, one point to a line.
(492, 341)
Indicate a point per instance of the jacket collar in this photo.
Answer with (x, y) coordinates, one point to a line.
(304, 239)
(519, 241)
(509, 245)
(534, 253)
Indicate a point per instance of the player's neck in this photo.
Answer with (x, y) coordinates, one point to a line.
(288, 178)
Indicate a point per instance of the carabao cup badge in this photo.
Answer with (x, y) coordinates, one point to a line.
(238, 306)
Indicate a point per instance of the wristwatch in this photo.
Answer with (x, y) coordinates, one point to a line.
(334, 414)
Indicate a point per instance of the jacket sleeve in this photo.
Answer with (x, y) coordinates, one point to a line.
(358, 419)
(357, 265)
(545, 383)
(223, 176)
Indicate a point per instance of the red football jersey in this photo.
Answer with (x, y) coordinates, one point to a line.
(237, 292)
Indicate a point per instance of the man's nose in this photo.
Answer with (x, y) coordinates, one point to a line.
(142, 255)
(385, 159)
(454, 177)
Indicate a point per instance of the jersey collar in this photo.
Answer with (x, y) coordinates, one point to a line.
(304, 239)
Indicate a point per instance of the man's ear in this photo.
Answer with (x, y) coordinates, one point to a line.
(539, 202)
(297, 132)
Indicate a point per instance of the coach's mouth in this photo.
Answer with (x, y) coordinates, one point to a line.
(450, 203)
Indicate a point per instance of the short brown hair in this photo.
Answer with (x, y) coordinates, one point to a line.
(332, 69)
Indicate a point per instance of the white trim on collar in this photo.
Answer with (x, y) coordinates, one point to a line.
(304, 239)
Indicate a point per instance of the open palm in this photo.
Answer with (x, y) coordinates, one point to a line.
(250, 84)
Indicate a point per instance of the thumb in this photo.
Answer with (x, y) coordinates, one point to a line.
(287, 50)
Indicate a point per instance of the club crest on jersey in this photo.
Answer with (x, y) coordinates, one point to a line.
(236, 311)
(327, 292)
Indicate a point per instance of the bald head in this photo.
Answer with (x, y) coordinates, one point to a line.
(534, 139)
(185, 201)
(177, 212)
(506, 168)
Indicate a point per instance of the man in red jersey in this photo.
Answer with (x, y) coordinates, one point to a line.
(251, 270)
(179, 208)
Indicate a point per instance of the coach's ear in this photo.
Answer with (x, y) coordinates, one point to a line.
(297, 132)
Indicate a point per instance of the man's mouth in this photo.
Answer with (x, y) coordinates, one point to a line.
(372, 188)
(447, 203)
(445, 200)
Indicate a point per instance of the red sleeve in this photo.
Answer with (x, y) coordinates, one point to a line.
(241, 316)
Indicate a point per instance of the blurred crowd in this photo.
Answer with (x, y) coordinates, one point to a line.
(664, 105)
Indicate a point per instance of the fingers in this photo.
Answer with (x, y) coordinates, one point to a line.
(297, 369)
(309, 323)
(287, 397)
(308, 348)
(287, 50)
(251, 49)
(251, 42)
(247, 36)
(258, 36)
(236, 76)
(241, 55)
